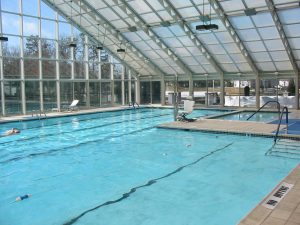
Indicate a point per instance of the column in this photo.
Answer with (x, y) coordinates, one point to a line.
(257, 90)
(123, 85)
(191, 87)
(129, 87)
(222, 97)
(138, 91)
(297, 90)
(162, 92)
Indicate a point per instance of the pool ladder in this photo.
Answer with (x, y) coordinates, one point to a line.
(38, 114)
(133, 105)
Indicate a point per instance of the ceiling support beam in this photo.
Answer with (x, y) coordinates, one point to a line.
(189, 32)
(223, 18)
(53, 6)
(119, 36)
(110, 30)
(282, 35)
(142, 25)
(286, 45)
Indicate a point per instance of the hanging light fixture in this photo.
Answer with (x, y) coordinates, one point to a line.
(203, 26)
(121, 51)
(99, 47)
(72, 44)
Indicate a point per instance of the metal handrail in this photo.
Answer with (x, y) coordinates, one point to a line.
(278, 106)
(280, 119)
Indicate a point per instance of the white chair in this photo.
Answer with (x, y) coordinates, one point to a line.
(72, 106)
(188, 107)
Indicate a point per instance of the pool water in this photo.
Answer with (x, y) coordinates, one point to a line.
(116, 168)
(258, 117)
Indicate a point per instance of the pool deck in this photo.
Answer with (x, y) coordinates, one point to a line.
(287, 212)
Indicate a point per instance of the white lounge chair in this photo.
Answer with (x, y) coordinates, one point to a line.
(188, 107)
(72, 106)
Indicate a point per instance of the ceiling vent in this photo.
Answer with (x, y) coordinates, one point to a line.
(204, 27)
(132, 29)
(250, 12)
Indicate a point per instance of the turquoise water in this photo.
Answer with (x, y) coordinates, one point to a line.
(116, 168)
(258, 117)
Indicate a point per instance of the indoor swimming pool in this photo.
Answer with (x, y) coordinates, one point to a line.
(117, 168)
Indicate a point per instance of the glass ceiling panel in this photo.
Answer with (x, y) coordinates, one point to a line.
(263, 20)
(297, 54)
(177, 31)
(279, 56)
(194, 51)
(269, 33)
(294, 43)
(155, 4)
(266, 66)
(248, 35)
(140, 6)
(163, 32)
(232, 5)
(150, 18)
(292, 30)
(182, 52)
(255, 46)
(289, 16)
(188, 12)
(255, 3)
(209, 68)
(120, 12)
(132, 36)
(231, 48)
(119, 24)
(197, 69)
(224, 37)
(223, 59)
(202, 59)
(186, 41)
(172, 42)
(108, 14)
(216, 49)
(180, 3)
(208, 38)
(261, 57)
(273, 45)
(160, 63)
(189, 61)
(229, 67)
(165, 15)
(285, 65)
(241, 22)
(244, 67)
(238, 58)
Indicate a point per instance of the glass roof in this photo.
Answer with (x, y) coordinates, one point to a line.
(160, 36)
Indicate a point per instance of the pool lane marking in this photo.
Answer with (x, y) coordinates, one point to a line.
(82, 129)
(75, 117)
(149, 183)
(72, 146)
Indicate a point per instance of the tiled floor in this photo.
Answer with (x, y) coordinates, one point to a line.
(287, 212)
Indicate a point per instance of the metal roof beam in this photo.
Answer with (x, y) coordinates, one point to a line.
(282, 35)
(141, 24)
(189, 32)
(221, 15)
(110, 30)
(116, 34)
